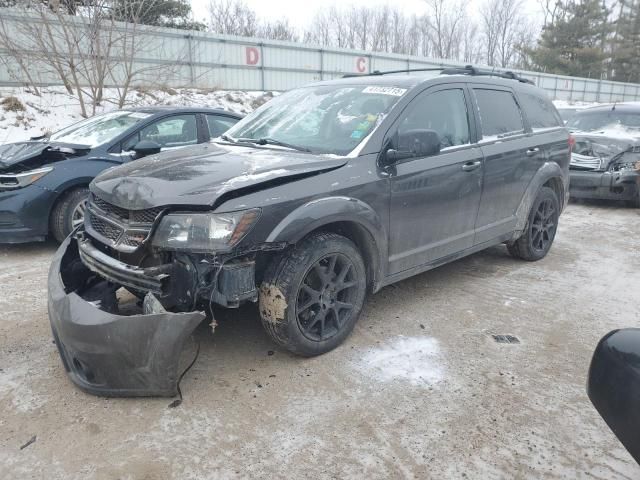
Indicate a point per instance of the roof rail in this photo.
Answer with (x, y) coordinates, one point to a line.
(471, 70)
(389, 72)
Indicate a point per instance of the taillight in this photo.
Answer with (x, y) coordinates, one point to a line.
(572, 142)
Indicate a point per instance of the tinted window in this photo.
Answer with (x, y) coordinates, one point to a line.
(540, 111)
(175, 131)
(499, 113)
(219, 124)
(444, 111)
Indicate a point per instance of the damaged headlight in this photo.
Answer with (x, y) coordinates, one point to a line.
(204, 232)
(20, 180)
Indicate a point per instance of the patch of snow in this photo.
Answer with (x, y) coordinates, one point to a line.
(55, 108)
(416, 360)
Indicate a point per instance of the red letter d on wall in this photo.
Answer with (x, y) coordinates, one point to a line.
(253, 55)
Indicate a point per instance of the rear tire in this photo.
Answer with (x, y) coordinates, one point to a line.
(540, 231)
(68, 213)
(311, 297)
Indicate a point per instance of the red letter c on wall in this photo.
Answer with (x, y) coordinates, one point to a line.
(253, 55)
(361, 64)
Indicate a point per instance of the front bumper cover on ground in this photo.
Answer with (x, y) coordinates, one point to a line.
(115, 355)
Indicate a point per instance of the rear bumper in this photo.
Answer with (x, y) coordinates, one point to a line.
(24, 214)
(604, 185)
(114, 355)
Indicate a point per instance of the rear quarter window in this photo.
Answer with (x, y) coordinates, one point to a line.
(499, 113)
(540, 111)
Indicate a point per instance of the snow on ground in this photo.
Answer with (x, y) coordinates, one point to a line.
(54, 108)
(415, 360)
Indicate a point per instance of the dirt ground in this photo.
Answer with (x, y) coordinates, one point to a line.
(419, 390)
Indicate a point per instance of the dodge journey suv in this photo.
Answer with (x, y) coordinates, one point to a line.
(325, 194)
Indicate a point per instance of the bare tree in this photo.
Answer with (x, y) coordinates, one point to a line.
(84, 52)
(232, 17)
(502, 26)
(447, 19)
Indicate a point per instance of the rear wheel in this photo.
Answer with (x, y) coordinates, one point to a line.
(311, 298)
(69, 213)
(536, 241)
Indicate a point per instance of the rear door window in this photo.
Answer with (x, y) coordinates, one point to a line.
(540, 112)
(499, 113)
(218, 124)
(444, 111)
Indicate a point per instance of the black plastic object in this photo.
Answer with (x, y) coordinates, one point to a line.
(614, 385)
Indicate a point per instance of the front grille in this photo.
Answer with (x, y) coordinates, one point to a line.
(584, 161)
(122, 229)
(105, 229)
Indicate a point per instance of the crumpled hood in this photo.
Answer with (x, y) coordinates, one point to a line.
(202, 174)
(34, 153)
(596, 150)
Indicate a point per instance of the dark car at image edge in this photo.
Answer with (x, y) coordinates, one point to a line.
(323, 195)
(44, 182)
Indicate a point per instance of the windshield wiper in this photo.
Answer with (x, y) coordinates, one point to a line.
(273, 141)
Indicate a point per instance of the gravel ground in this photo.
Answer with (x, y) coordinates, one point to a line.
(419, 390)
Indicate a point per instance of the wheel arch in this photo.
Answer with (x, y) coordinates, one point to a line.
(549, 175)
(345, 216)
(64, 190)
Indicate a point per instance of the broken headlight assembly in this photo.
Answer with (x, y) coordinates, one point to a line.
(204, 232)
(20, 180)
(626, 167)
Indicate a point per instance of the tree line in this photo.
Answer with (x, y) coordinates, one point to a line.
(587, 38)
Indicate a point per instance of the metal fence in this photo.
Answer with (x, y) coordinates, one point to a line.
(206, 60)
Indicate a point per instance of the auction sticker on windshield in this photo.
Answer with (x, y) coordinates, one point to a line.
(395, 91)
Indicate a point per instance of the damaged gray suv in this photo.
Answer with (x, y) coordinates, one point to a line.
(323, 195)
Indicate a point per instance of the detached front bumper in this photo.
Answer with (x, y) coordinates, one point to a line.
(114, 355)
(604, 185)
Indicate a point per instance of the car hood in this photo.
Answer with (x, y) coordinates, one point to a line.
(204, 175)
(597, 150)
(20, 156)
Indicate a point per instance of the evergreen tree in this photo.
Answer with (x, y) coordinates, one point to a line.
(626, 44)
(573, 44)
(161, 13)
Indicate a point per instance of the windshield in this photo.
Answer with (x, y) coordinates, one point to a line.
(321, 119)
(100, 129)
(587, 121)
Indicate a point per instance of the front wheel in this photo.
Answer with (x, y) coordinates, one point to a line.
(536, 240)
(310, 298)
(69, 213)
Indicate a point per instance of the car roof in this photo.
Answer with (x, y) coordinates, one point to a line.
(171, 109)
(415, 79)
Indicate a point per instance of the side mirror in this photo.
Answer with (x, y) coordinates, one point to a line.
(146, 147)
(414, 143)
(614, 385)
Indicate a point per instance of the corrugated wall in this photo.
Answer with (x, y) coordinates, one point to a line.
(178, 58)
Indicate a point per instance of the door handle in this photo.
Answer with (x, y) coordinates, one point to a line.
(532, 151)
(470, 166)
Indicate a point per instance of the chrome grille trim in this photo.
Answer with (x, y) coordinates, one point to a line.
(584, 161)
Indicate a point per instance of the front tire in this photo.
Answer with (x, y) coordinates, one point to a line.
(310, 298)
(68, 213)
(540, 231)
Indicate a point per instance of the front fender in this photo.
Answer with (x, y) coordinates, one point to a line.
(547, 172)
(324, 211)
